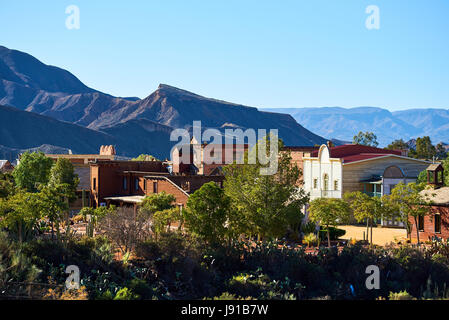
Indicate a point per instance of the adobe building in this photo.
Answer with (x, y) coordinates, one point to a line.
(126, 183)
(436, 223)
(206, 159)
(81, 167)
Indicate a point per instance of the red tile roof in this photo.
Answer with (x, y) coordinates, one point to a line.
(356, 152)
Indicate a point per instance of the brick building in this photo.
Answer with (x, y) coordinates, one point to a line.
(81, 166)
(206, 159)
(436, 223)
(128, 182)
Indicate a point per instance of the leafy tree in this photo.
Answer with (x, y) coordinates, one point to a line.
(32, 170)
(398, 145)
(20, 213)
(7, 186)
(424, 148)
(422, 177)
(328, 212)
(53, 205)
(367, 208)
(144, 157)
(441, 151)
(162, 220)
(158, 202)
(408, 203)
(63, 174)
(269, 205)
(209, 214)
(366, 139)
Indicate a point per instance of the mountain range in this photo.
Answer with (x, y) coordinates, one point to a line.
(343, 123)
(47, 105)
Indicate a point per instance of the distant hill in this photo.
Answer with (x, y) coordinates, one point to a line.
(28, 84)
(343, 124)
(22, 130)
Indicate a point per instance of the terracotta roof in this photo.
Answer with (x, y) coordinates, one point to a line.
(348, 150)
(362, 156)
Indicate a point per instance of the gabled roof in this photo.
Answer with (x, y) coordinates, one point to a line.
(347, 150)
(2, 163)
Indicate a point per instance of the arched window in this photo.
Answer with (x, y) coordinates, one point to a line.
(326, 182)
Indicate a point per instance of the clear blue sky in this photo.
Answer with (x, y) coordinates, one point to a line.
(287, 53)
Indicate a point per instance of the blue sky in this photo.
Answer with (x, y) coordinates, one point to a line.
(287, 53)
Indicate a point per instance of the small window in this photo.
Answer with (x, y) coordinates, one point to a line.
(125, 183)
(315, 183)
(136, 184)
(155, 187)
(95, 184)
(336, 185)
(145, 185)
(437, 223)
(421, 223)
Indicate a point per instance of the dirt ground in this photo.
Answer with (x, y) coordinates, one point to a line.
(381, 236)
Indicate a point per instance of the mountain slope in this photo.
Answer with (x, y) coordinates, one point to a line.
(343, 123)
(30, 85)
(20, 130)
(178, 108)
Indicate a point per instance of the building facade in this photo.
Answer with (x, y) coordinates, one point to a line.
(332, 171)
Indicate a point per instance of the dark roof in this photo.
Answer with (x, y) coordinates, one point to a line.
(362, 152)
(435, 167)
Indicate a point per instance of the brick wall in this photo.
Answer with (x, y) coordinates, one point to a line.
(429, 224)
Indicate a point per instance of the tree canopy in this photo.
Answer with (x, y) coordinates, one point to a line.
(33, 170)
(366, 139)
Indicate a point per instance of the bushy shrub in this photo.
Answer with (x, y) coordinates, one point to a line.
(334, 233)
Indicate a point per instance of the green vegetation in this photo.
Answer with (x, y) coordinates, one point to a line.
(366, 139)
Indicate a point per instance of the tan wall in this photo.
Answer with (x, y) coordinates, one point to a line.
(353, 173)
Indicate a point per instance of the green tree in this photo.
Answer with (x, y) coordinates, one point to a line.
(329, 212)
(7, 186)
(20, 213)
(208, 214)
(398, 145)
(163, 220)
(33, 170)
(441, 151)
(53, 205)
(269, 205)
(144, 157)
(424, 148)
(408, 203)
(63, 174)
(366, 208)
(158, 202)
(366, 139)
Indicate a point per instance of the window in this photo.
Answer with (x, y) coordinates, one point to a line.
(315, 183)
(95, 184)
(136, 184)
(437, 223)
(145, 185)
(421, 223)
(155, 187)
(335, 185)
(326, 181)
(125, 183)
